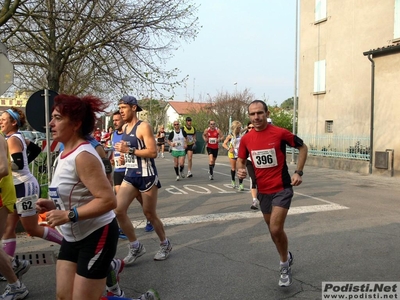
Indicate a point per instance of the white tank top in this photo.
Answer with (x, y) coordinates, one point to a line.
(24, 175)
(179, 141)
(67, 191)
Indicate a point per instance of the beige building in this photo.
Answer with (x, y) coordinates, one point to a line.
(339, 42)
(19, 100)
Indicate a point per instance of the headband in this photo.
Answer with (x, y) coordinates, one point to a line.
(15, 116)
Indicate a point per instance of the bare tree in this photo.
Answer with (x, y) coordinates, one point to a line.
(101, 46)
(234, 107)
(223, 107)
(7, 10)
(155, 111)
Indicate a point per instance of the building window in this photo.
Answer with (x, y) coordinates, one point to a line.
(320, 11)
(3, 102)
(19, 102)
(329, 126)
(319, 77)
(396, 34)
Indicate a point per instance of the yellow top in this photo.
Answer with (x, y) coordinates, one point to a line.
(7, 189)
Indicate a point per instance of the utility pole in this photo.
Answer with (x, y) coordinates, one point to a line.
(295, 79)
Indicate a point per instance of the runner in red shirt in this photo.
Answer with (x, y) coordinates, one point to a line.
(212, 136)
(97, 135)
(266, 146)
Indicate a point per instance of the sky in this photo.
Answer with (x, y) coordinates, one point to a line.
(241, 45)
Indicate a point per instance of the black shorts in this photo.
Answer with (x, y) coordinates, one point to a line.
(118, 177)
(281, 199)
(213, 152)
(93, 254)
(143, 184)
(189, 148)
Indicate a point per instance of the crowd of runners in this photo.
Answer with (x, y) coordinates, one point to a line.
(84, 213)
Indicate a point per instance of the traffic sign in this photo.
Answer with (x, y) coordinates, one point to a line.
(6, 73)
(36, 108)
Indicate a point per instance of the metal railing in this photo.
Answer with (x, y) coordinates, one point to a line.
(354, 147)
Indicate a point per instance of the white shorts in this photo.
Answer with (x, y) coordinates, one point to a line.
(28, 188)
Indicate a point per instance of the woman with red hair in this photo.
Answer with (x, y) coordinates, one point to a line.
(82, 201)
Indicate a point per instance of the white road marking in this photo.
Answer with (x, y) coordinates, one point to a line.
(329, 206)
(239, 215)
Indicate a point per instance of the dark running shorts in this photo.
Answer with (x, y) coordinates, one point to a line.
(93, 254)
(213, 152)
(143, 184)
(118, 177)
(189, 148)
(281, 199)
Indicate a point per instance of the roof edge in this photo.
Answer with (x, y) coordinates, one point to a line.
(383, 51)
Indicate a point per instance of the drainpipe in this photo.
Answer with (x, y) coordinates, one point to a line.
(371, 133)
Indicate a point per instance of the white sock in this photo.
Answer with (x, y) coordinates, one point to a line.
(16, 284)
(135, 244)
(284, 264)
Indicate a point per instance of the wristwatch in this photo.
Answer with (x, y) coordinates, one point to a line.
(72, 216)
(132, 150)
(299, 172)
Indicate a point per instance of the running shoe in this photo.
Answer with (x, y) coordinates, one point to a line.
(291, 259)
(122, 235)
(164, 251)
(115, 294)
(119, 265)
(20, 267)
(189, 174)
(162, 155)
(211, 177)
(177, 178)
(183, 175)
(114, 288)
(233, 184)
(149, 295)
(134, 253)
(241, 187)
(254, 206)
(149, 227)
(15, 293)
(285, 278)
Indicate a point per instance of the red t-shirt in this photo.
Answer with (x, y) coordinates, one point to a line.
(267, 149)
(212, 141)
(97, 135)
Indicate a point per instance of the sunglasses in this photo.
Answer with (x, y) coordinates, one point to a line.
(212, 123)
(176, 124)
(250, 127)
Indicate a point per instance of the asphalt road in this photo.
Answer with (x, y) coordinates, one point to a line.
(342, 226)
